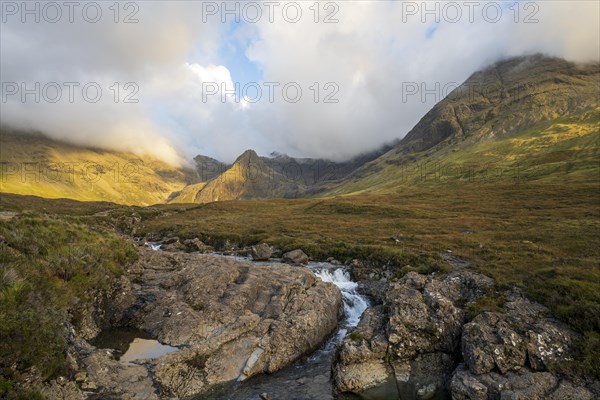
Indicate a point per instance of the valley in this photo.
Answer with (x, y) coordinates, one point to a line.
(475, 241)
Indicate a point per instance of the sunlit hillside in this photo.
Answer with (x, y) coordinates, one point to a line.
(563, 149)
(35, 165)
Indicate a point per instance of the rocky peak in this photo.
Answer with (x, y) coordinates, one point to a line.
(505, 98)
(247, 157)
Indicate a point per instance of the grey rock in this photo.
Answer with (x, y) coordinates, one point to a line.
(524, 384)
(360, 365)
(295, 257)
(490, 341)
(261, 252)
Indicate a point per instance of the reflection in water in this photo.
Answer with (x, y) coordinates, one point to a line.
(131, 344)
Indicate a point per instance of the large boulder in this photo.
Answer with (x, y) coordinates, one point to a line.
(490, 342)
(410, 339)
(360, 359)
(295, 257)
(525, 335)
(261, 252)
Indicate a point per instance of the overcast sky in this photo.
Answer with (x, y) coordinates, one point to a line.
(178, 79)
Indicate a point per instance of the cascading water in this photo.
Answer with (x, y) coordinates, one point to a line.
(354, 304)
(153, 246)
(310, 378)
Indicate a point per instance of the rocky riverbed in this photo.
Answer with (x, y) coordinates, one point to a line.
(246, 330)
(230, 320)
(420, 345)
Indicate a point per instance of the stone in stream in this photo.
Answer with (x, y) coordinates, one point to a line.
(295, 257)
(261, 252)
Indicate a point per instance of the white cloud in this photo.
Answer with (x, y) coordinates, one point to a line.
(366, 58)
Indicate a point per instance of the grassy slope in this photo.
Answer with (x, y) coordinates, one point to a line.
(49, 269)
(67, 171)
(188, 194)
(565, 148)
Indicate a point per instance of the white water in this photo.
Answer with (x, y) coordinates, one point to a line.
(153, 246)
(354, 303)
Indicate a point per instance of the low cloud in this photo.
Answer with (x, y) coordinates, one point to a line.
(351, 73)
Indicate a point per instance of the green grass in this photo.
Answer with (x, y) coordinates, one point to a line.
(49, 269)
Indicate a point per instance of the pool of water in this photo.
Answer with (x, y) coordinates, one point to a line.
(131, 344)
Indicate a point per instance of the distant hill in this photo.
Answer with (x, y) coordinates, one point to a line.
(33, 164)
(279, 176)
(527, 118)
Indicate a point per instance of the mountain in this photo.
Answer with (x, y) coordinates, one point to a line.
(33, 164)
(249, 177)
(255, 177)
(533, 117)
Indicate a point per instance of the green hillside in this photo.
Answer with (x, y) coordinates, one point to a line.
(565, 148)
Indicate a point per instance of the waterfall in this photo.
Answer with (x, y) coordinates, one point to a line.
(354, 303)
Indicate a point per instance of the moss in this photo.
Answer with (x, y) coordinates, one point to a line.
(491, 302)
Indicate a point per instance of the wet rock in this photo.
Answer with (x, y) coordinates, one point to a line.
(375, 290)
(360, 359)
(295, 257)
(261, 252)
(361, 376)
(426, 392)
(425, 376)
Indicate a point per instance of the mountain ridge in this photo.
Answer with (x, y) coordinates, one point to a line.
(513, 112)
